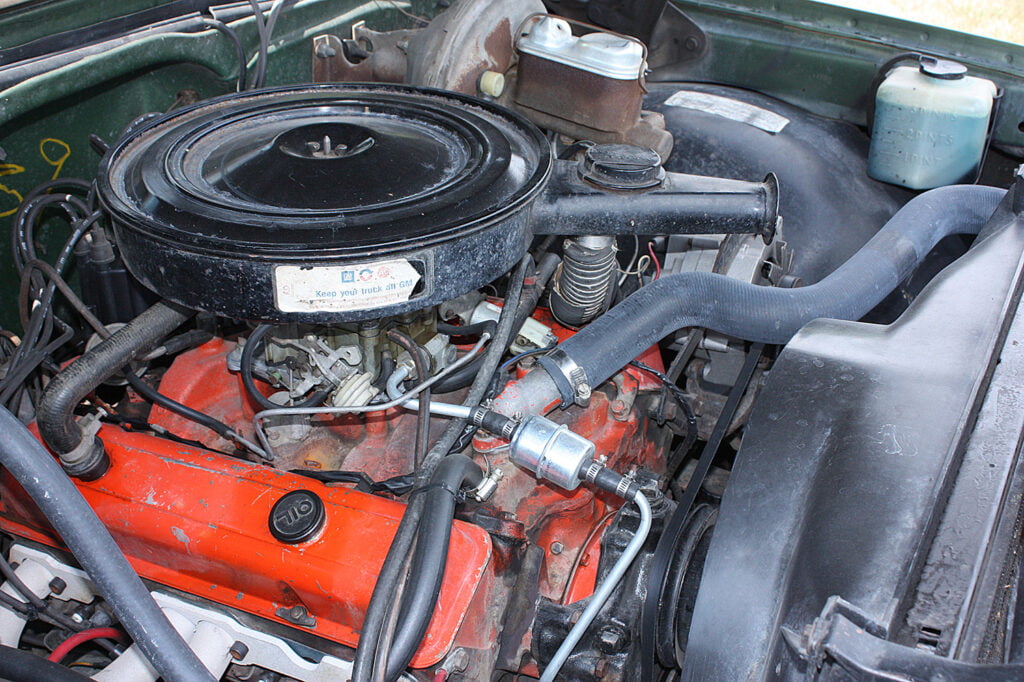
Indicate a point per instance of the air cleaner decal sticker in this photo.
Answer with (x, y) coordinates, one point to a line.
(337, 288)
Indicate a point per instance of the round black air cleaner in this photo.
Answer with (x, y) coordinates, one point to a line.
(324, 203)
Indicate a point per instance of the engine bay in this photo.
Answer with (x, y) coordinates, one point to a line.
(476, 352)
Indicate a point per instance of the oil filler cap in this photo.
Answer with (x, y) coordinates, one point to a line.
(297, 516)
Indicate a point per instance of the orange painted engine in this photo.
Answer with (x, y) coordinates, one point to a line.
(192, 518)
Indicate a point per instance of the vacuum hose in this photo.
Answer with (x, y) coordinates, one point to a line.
(88, 539)
(756, 313)
(64, 436)
(426, 573)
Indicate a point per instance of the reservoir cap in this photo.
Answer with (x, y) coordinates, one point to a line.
(944, 69)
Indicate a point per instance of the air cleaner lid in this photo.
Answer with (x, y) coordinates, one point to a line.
(323, 176)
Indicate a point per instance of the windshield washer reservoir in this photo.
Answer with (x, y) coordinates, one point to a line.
(930, 125)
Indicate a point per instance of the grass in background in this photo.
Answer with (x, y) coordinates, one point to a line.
(1000, 19)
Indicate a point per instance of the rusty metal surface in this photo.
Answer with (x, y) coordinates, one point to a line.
(469, 38)
(585, 98)
(386, 62)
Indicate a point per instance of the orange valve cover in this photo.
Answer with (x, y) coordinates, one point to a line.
(197, 521)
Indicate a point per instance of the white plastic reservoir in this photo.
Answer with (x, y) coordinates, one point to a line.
(930, 126)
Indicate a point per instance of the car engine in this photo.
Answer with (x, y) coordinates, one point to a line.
(483, 356)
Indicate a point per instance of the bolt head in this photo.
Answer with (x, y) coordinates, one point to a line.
(611, 639)
(238, 651)
(557, 547)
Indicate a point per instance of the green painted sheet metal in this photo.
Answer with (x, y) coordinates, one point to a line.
(45, 122)
(823, 57)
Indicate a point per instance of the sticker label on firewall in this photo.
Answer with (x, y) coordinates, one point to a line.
(336, 288)
(726, 107)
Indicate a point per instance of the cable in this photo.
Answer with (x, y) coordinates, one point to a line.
(79, 638)
(600, 526)
(18, 242)
(876, 81)
(245, 370)
(141, 387)
(654, 259)
(264, 46)
(525, 354)
(601, 594)
(19, 585)
(266, 31)
(26, 610)
(629, 266)
(38, 324)
(227, 31)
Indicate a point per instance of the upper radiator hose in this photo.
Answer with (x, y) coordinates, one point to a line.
(746, 311)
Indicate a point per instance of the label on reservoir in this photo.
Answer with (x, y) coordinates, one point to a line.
(339, 288)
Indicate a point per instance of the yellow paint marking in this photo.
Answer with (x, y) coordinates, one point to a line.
(63, 153)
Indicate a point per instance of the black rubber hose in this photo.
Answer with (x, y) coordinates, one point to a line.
(773, 315)
(430, 557)
(152, 395)
(171, 346)
(264, 38)
(254, 342)
(97, 553)
(466, 330)
(398, 553)
(22, 666)
(63, 394)
(465, 375)
(230, 34)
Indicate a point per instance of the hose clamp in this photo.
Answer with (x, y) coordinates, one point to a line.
(483, 492)
(569, 377)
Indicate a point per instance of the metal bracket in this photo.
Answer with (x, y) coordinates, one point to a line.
(845, 637)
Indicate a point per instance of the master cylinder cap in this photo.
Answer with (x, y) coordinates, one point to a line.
(324, 203)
